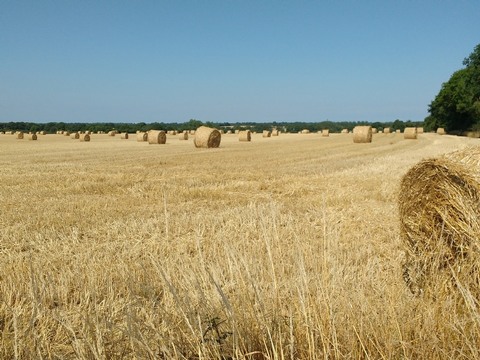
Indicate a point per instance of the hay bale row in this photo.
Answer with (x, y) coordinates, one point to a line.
(440, 221)
(245, 135)
(206, 137)
(157, 137)
(410, 133)
(142, 136)
(362, 134)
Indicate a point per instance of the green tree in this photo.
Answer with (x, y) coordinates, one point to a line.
(457, 105)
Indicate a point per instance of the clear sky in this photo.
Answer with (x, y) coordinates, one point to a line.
(229, 60)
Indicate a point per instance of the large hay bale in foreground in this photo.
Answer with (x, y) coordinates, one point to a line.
(410, 133)
(439, 208)
(206, 137)
(157, 137)
(441, 131)
(362, 134)
(245, 135)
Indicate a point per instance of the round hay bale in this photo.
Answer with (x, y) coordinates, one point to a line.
(410, 133)
(386, 130)
(374, 130)
(192, 132)
(111, 133)
(441, 131)
(344, 131)
(43, 132)
(275, 132)
(142, 136)
(266, 133)
(183, 136)
(85, 137)
(305, 131)
(245, 135)
(325, 132)
(398, 131)
(157, 137)
(19, 135)
(229, 132)
(362, 134)
(74, 135)
(66, 133)
(32, 136)
(419, 130)
(206, 137)
(237, 131)
(124, 136)
(439, 207)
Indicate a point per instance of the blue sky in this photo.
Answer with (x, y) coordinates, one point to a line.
(236, 61)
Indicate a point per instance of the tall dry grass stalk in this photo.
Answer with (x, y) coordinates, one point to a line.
(266, 251)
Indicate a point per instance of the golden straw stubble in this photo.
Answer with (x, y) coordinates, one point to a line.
(439, 207)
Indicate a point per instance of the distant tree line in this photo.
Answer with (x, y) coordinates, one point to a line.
(333, 126)
(457, 105)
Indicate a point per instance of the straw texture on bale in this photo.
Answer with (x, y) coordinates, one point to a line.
(74, 135)
(245, 135)
(410, 133)
(157, 137)
(19, 135)
(183, 136)
(32, 136)
(362, 134)
(206, 137)
(441, 131)
(142, 136)
(85, 137)
(266, 133)
(124, 136)
(325, 132)
(439, 207)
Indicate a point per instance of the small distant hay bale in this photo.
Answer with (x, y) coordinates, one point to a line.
(386, 130)
(74, 136)
(237, 131)
(275, 132)
(142, 136)
(66, 133)
(266, 133)
(344, 131)
(32, 136)
(43, 132)
(85, 137)
(229, 132)
(419, 130)
(111, 133)
(440, 222)
(374, 130)
(19, 135)
(2, 132)
(206, 137)
(325, 132)
(305, 131)
(124, 136)
(441, 131)
(362, 134)
(410, 133)
(11, 132)
(192, 132)
(245, 135)
(398, 131)
(183, 136)
(157, 137)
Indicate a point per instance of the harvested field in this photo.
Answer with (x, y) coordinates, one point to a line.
(281, 249)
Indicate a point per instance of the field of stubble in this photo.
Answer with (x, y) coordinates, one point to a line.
(282, 248)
